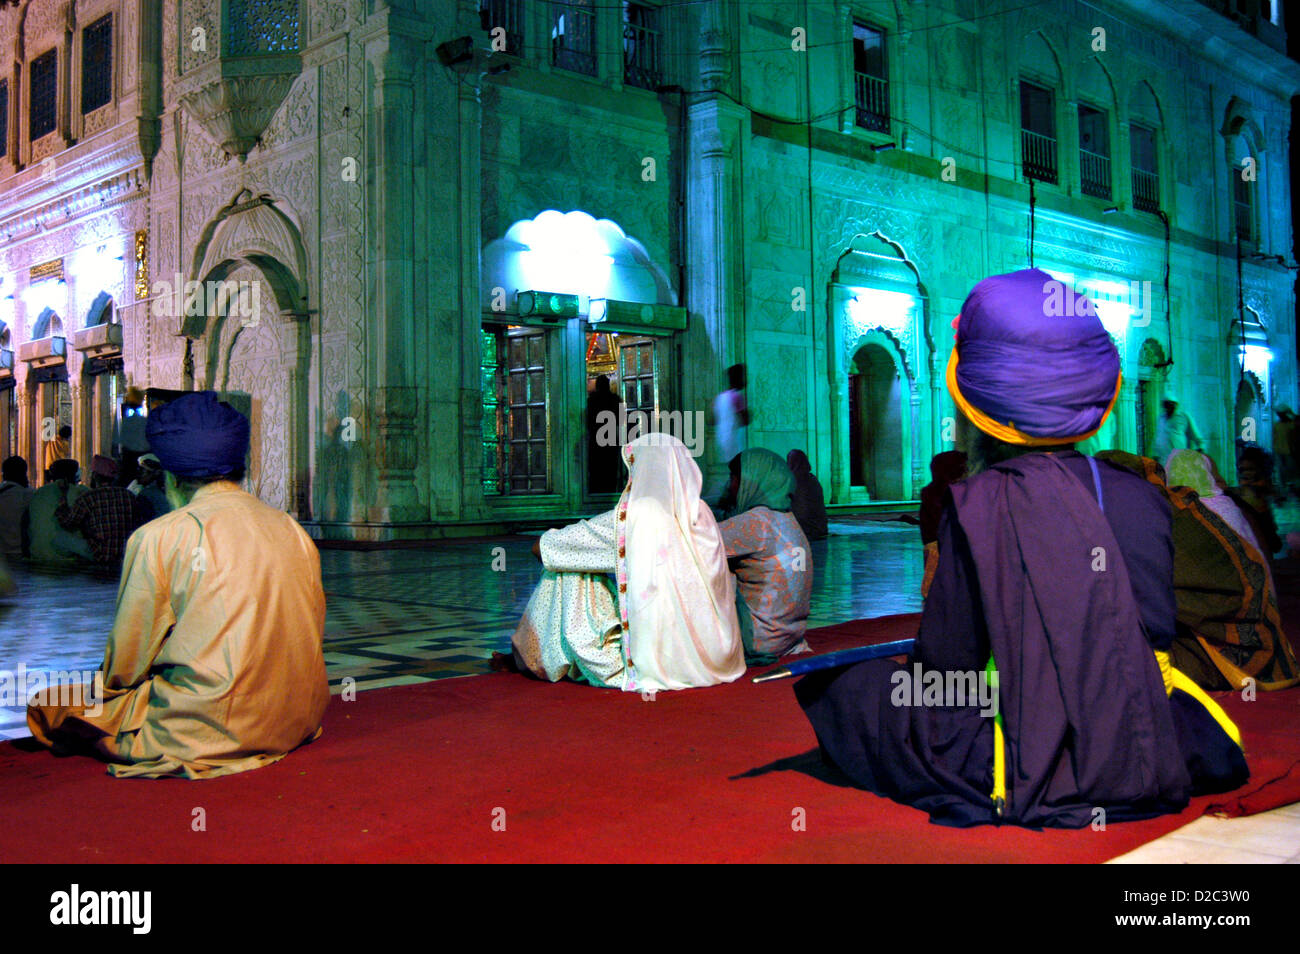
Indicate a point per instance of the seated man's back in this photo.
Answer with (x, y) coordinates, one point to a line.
(44, 532)
(215, 663)
(246, 616)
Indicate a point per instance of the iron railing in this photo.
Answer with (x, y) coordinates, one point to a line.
(1146, 190)
(1245, 220)
(1094, 173)
(507, 15)
(872, 98)
(573, 35)
(1038, 156)
(642, 48)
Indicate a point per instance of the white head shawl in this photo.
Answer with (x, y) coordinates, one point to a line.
(675, 595)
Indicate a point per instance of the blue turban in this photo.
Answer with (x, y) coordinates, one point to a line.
(196, 435)
(1033, 364)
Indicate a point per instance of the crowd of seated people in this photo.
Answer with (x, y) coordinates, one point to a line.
(67, 522)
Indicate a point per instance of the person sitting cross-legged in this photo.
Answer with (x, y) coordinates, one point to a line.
(1049, 624)
(214, 664)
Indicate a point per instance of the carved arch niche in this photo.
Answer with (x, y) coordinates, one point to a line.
(877, 316)
(251, 340)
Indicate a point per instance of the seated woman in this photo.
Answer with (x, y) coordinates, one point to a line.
(667, 619)
(770, 556)
(1229, 630)
(808, 502)
(1253, 494)
(1055, 587)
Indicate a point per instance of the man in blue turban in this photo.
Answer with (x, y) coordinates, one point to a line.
(1040, 688)
(214, 664)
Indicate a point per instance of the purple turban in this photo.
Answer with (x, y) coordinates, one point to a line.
(196, 435)
(1033, 363)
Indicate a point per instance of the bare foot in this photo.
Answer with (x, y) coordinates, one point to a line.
(501, 662)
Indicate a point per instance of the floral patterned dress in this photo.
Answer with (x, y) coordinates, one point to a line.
(571, 626)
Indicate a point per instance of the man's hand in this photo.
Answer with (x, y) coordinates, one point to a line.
(537, 549)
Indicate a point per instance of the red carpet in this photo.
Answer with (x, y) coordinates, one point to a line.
(420, 773)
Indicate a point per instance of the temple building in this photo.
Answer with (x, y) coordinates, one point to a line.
(408, 236)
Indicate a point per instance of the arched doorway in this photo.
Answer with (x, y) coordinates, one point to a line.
(245, 364)
(1246, 414)
(883, 400)
(876, 404)
(253, 341)
(1150, 392)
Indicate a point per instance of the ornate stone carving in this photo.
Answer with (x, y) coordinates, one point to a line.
(296, 117)
(393, 411)
(235, 110)
(326, 17)
(45, 22)
(250, 362)
(47, 146)
(99, 120)
(200, 34)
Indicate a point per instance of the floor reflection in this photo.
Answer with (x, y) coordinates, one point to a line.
(408, 615)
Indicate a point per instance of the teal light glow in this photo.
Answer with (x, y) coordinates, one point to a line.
(571, 253)
(877, 308)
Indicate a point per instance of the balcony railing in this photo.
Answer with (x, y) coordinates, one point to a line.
(1094, 173)
(572, 38)
(872, 98)
(641, 56)
(507, 15)
(1146, 190)
(1038, 154)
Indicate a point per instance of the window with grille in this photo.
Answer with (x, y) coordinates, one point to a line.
(515, 439)
(1037, 132)
(870, 81)
(261, 26)
(4, 118)
(97, 64)
(1243, 205)
(636, 358)
(1094, 152)
(573, 36)
(1146, 174)
(507, 16)
(43, 116)
(642, 46)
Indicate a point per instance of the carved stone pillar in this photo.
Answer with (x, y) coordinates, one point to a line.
(715, 337)
(394, 307)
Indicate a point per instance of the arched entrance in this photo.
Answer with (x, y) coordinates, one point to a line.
(883, 400)
(876, 407)
(1247, 409)
(1150, 392)
(244, 365)
(254, 341)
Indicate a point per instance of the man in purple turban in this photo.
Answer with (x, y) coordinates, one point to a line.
(1039, 689)
(214, 665)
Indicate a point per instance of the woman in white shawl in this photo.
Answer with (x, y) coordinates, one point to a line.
(667, 618)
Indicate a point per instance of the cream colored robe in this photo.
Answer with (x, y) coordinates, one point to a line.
(214, 665)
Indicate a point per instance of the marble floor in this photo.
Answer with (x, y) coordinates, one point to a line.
(400, 616)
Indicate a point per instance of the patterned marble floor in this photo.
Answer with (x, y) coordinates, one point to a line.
(401, 616)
